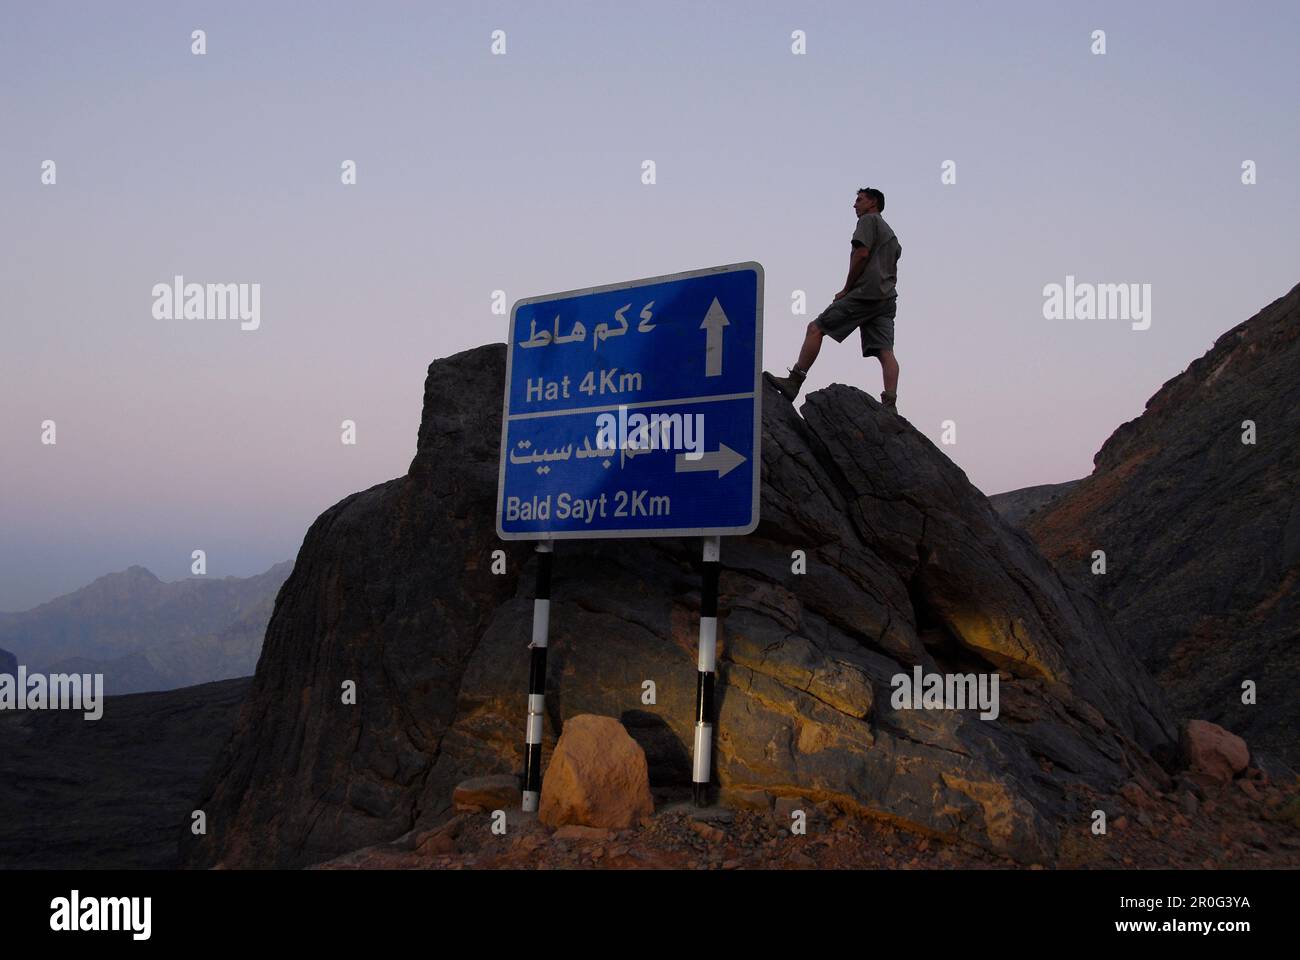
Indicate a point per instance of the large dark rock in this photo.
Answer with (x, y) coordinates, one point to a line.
(907, 563)
(8, 663)
(1202, 531)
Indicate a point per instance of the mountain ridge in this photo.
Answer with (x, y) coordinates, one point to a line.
(140, 631)
(1201, 530)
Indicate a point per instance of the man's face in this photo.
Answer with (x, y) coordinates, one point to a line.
(864, 204)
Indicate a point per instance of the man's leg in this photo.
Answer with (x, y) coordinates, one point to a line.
(790, 386)
(812, 345)
(878, 341)
(889, 369)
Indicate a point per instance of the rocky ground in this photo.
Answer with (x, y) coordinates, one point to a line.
(63, 805)
(1246, 823)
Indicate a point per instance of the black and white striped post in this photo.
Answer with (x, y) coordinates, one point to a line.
(707, 667)
(537, 679)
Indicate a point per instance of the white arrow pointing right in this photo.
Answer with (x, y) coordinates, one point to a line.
(723, 459)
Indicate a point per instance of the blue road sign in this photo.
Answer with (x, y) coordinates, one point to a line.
(633, 410)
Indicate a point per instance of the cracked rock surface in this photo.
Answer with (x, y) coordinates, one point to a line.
(907, 564)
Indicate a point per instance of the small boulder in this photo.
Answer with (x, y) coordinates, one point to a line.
(597, 777)
(1213, 751)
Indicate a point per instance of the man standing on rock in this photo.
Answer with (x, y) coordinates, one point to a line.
(867, 303)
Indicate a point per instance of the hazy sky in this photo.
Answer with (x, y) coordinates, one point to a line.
(522, 173)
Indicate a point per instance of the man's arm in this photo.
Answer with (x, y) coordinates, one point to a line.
(857, 263)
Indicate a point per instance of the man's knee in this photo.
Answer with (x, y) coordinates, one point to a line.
(814, 330)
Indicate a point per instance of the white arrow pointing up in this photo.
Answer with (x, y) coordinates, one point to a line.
(714, 321)
(723, 459)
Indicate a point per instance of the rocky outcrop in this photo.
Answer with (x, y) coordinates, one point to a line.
(1201, 531)
(874, 555)
(8, 663)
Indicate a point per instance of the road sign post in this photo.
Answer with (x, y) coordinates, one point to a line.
(706, 670)
(634, 410)
(537, 679)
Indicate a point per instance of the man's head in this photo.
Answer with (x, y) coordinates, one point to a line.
(870, 200)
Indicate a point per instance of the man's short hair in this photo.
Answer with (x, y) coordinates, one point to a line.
(875, 195)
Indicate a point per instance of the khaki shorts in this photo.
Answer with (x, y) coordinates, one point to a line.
(874, 318)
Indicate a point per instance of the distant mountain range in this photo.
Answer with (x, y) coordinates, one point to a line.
(144, 634)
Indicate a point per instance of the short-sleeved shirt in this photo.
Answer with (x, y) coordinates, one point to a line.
(881, 273)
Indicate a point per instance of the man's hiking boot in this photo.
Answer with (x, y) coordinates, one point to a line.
(789, 386)
(889, 401)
